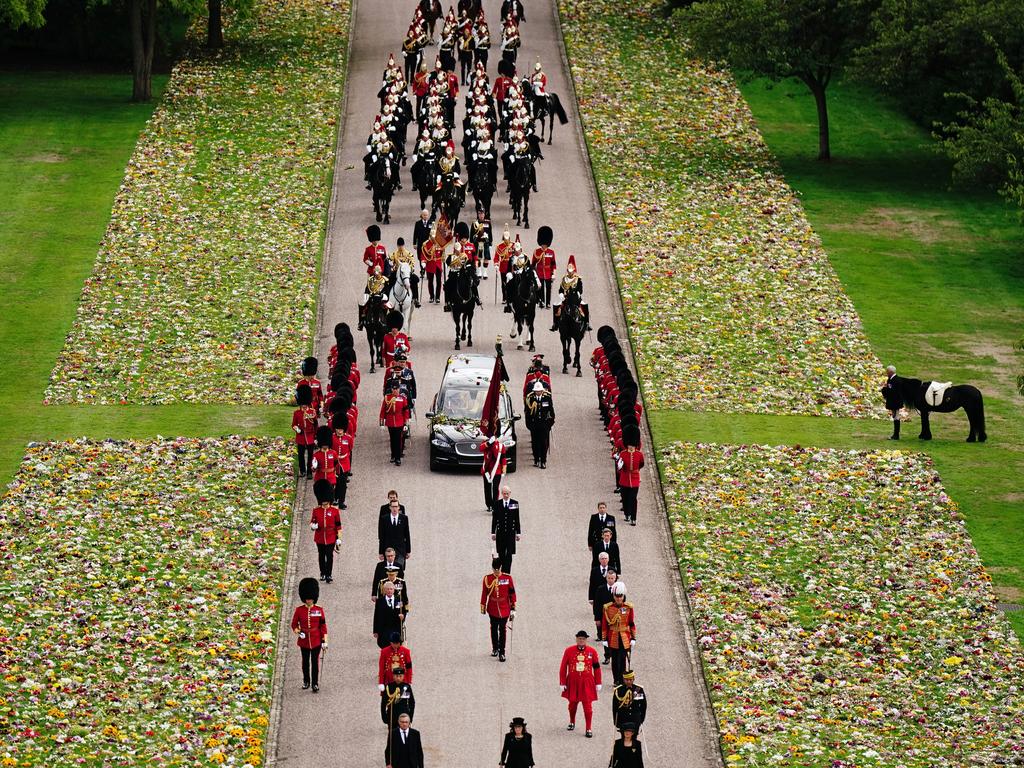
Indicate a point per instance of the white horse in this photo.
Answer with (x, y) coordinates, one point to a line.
(400, 297)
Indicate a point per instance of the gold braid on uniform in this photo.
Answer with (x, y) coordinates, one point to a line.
(625, 699)
(394, 697)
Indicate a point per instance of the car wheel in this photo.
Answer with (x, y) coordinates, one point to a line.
(434, 466)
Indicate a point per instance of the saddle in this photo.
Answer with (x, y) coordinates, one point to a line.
(936, 392)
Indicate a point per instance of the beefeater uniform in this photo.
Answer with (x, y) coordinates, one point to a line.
(498, 600)
(580, 673)
(390, 658)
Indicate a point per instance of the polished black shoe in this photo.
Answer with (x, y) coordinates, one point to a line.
(329, 580)
(316, 689)
(554, 326)
(508, 310)
(571, 727)
(322, 577)
(494, 652)
(589, 734)
(501, 657)
(417, 305)
(305, 685)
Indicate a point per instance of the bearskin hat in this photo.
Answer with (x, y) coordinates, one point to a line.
(341, 402)
(615, 360)
(506, 68)
(461, 230)
(545, 236)
(342, 331)
(604, 333)
(395, 319)
(309, 589)
(347, 354)
(631, 435)
(323, 437)
(303, 395)
(339, 421)
(310, 366)
(323, 490)
(373, 233)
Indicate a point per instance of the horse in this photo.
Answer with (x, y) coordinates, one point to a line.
(483, 181)
(383, 185)
(572, 324)
(400, 294)
(449, 198)
(910, 393)
(424, 177)
(524, 295)
(519, 190)
(462, 300)
(375, 322)
(545, 105)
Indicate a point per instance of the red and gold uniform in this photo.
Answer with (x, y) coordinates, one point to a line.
(316, 388)
(498, 595)
(327, 519)
(503, 256)
(392, 340)
(532, 375)
(393, 657)
(629, 462)
(311, 621)
(374, 256)
(543, 262)
(618, 629)
(580, 675)
(432, 255)
(325, 465)
(394, 413)
(304, 421)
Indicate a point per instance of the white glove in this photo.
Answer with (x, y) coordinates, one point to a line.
(380, 688)
(598, 687)
(423, 265)
(604, 643)
(302, 635)
(313, 526)
(298, 430)
(632, 643)
(563, 688)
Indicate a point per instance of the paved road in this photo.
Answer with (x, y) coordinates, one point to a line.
(465, 698)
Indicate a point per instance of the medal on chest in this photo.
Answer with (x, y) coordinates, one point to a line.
(581, 659)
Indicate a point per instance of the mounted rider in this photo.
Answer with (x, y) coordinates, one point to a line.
(449, 168)
(425, 153)
(571, 285)
(376, 286)
(482, 35)
(457, 262)
(510, 40)
(521, 267)
(403, 255)
(381, 149)
(520, 150)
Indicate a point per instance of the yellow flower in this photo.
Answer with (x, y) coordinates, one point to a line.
(217, 757)
(952, 661)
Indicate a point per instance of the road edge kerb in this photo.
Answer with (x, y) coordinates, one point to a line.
(301, 492)
(712, 742)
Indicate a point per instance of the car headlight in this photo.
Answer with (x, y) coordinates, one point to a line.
(441, 441)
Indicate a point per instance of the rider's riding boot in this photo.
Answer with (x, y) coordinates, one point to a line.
(362, 311)
(554, 318)
(533, 173)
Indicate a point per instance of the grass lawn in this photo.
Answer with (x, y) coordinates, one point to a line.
(64, 142)
(937, 277)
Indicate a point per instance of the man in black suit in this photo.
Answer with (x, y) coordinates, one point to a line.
(380, 571)
(393, 531)
(602, 595)
(598, 522)
(404, 749)
(607, 545)
(388, 615)
(505, 528)
(385, 508)
(597, 574)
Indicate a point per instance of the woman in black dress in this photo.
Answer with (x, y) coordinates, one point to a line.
(518, 749)
(627, 752)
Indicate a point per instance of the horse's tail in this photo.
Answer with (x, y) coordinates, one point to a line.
(558, 109)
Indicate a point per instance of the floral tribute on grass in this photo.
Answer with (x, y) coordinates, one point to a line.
(141, 586)
(209, 263)
(732, 302)
(843, 615)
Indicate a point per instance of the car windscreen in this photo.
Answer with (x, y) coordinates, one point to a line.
(467, 402)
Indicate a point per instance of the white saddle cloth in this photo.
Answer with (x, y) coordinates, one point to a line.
(936, 391)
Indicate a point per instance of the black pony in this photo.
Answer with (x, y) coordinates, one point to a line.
(910, 393)
(462, 299)
(520, 182)
(449, 198)
(524, 295)
(483, 181)
(424, 177)
(572, 324)
(376, 324)
(383, 185)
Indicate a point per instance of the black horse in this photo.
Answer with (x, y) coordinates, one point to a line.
(572, 324)
(519, 190)
(449, 199)
(910, 393)
(424, 177)
(461, 296)
(524, 296)
(546, 107)
(383, 185)
(482, 181)
(375, 321)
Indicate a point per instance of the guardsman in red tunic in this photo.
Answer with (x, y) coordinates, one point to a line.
(375, 254)
(304, 421)
(309, 369)
(431, 256)
(342, 445)
(580, 678)
(309, 623)
(537, 372)
(394, 413)
(393, 656)
(498, 601)
(618, 630)
(468, 249)
(394, 339)
(503, 260)
(629, 462)
(325, 522)
(543, 262)
(493, 468)
(325, 459)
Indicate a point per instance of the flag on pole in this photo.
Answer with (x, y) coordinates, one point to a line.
(490, 421)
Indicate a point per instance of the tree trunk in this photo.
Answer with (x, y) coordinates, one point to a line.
(142, 20)
(817, 88)
(214, 25)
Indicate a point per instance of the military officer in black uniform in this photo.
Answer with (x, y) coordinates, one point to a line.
(505, 528)
(629, 702)
(540, 418)
(396, 699)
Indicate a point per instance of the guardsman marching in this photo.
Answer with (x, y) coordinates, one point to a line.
(492, 469)
(395, 339)
(498, 601)
(396, 699)
(309, 369)
(629, 701)
(309, 624)
(580, 678)
(431, 260)
(629, 462)
(375, 254)
(571, 289)
(543, 261)
(325, 460)
(540, 418)
(343, 442)
(325, 522)
(304, 421)
(618, 628)
(394, 414)
(393, 656)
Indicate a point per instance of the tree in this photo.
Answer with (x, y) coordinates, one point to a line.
(214, 19)
(810, 40)
(22, 13)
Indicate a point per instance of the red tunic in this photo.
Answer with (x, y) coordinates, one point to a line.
(304, 425)
(629, 465)
(374, 256)
(328, 524)
(469, 250)
(580, 673)
(544, 263)
(325, 465)
(421, 83)
(493, 454)
(500, 89)
(343, 447)
(314, 384)
(394, 411)
(312, 621)
(625, 631)
(391, 343)
(390, 658)
(532, 376)
(499, 599)
(503, 255)
(431, 255)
